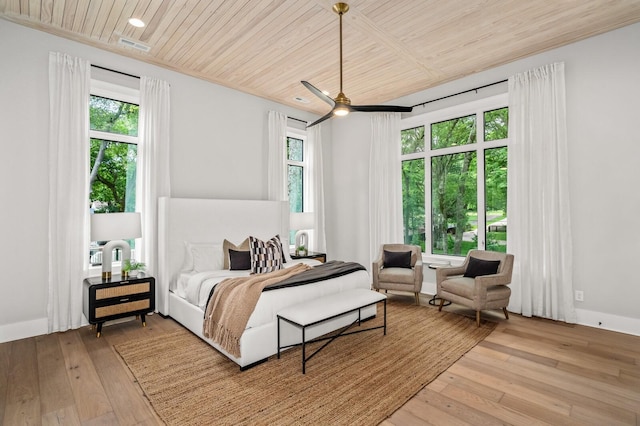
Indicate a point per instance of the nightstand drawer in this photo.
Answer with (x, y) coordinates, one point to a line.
(123, 290)
(122, 308)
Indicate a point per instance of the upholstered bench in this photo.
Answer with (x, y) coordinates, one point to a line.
(317, 311)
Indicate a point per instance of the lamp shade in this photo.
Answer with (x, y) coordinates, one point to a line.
(301, 220)
(115, 226)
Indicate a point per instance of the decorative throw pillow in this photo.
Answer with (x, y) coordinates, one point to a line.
(479, 267)
(397, 259)
(266, 256)
(284, 257)
(226, 245)
(239, 260)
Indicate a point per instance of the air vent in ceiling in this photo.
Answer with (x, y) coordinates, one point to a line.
(133, 44)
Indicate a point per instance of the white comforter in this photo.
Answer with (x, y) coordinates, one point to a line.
(196, 286)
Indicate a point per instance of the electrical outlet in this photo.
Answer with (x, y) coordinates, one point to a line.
(579, 295)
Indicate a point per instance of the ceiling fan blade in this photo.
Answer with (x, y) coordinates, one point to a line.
(381, 108)
(320, 120)
(318, 93)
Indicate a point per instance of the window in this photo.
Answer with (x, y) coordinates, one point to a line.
(113, 133)
(296, 174)
(463, 166)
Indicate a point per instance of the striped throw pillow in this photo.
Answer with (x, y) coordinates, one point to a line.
(266, 256)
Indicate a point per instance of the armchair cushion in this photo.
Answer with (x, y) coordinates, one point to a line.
(397, 275)
(397, 259)
(461, 286)
(479, 267)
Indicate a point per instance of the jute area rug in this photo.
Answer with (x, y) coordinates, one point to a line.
(357, 380)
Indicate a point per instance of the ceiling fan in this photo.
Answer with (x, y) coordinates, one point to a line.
(341, 105)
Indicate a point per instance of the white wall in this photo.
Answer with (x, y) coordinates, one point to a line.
(218, 149)
(603, 111)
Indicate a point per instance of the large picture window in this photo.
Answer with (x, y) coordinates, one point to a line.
(463, 166)
(113, 160)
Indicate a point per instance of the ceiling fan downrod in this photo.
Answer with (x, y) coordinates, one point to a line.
(341, 9)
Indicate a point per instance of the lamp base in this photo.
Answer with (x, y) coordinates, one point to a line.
(302, 240)
(107, 256)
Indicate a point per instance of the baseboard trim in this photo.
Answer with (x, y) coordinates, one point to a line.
(609, 322)
(587, 318)
(22, 330)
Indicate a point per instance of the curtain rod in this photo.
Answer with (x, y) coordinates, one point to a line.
(297, 119)
(117, 72)
(460, 93)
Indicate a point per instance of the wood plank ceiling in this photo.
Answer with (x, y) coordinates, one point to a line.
(265, 47)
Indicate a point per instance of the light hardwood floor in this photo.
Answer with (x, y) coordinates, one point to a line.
(528, 371)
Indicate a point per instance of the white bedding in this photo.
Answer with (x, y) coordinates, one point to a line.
(194, 287)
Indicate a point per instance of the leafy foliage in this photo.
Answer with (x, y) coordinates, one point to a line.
(295, 174)
(113, 164)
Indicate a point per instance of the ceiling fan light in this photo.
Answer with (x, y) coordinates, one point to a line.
(341, 110)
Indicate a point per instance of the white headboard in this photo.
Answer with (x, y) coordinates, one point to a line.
(208, 220)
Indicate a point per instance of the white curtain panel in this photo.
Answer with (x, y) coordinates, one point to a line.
(316, 189)
(69, 87)
(385, 185)
(153, 180)
(538, 195)
(277, 157)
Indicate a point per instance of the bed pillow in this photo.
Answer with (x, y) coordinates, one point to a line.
(226, 245)
(397, 259)
(266, 256)
(239, 260)
(284, 252)
(479, 267)
(202, 257)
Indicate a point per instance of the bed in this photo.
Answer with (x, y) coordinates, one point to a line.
(181, 293)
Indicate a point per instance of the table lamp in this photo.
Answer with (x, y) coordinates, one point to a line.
(115, 228)
(301, 222)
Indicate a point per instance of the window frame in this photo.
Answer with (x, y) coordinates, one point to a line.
(123, 94)
(478, 107)
(301, 135)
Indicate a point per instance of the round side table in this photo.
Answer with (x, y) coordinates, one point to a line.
(434, 300)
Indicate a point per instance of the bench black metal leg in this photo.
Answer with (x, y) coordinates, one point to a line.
(304, 356)
(385, 317)
(278, 337)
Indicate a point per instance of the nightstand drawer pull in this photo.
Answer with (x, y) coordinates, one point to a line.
(125, 299)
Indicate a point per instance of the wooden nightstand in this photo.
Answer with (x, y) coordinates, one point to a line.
(105, 300)
(322, 257)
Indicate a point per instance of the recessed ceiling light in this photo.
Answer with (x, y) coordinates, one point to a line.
(301, 100)
(137, 22)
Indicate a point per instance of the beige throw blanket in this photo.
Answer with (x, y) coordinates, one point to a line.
(233, 302)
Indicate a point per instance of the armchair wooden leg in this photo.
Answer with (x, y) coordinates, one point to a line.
(441, 304)
(417, 298)
(478, 318)
(506, 313)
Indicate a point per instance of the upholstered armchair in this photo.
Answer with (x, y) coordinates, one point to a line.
(399, 267)
(480, 283)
